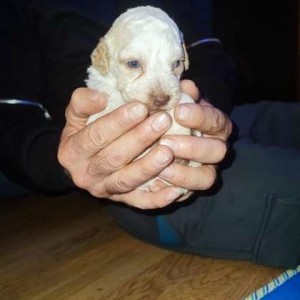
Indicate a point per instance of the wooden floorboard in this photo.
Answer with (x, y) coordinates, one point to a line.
(69, 248)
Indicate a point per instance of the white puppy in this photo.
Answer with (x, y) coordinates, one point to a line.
(141, 58)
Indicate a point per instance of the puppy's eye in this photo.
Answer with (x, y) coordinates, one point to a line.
(134, 64)
(177, 64)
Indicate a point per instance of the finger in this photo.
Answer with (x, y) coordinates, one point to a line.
(149, 200)
(157, 184)
(140, 171)
(84, 102)
(220, 125)
(130, 145)
(98, 134)
(205, 118)
(185, 196)
(201, 178)
(204, 150)
(190, 88)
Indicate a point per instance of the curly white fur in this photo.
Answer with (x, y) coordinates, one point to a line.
(141, 58)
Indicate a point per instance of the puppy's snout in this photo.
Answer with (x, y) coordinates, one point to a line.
(160, 99)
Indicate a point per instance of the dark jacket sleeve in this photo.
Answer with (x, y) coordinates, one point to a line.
(28, 151)
(45, 51)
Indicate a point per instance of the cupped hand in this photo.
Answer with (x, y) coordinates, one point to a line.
(209, 149)
(101, 157)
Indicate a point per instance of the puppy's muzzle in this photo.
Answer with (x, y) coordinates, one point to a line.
(157, 101)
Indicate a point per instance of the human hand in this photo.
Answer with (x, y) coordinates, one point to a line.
(209, 149)
(100, 157)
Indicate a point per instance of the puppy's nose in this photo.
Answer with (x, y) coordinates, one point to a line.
(161, 99)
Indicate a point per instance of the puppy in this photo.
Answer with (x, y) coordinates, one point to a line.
(141, 58)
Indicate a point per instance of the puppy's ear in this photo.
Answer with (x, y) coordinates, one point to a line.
(100, 57)
(186, 58)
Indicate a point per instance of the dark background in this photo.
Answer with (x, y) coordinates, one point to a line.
(262, 36)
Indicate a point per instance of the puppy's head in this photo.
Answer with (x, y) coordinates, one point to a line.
(145, 54)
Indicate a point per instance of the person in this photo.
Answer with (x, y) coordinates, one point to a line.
(55, 65)
(251, 212)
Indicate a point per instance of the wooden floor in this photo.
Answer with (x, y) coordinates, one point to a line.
(68, 248)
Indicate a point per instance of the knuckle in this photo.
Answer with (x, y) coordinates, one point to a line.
(214, 120)
(80, 180)
(96, 137)
(119, 185)
(98, 167)
(219, 120)
(123, 185)
(65, 155)
(220, 116)
(113, 159)
(104, 165)
(106, 162)
(83, 178)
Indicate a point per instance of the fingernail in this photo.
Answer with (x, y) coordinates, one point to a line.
(183, 112)
(166, 173)
(161, 122)
(163, 156)
(169, 143)
(137, 111)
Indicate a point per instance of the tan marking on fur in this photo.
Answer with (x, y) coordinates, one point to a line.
(100, 57)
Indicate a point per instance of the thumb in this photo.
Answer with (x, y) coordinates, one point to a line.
(190, 88)
(84, 103)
